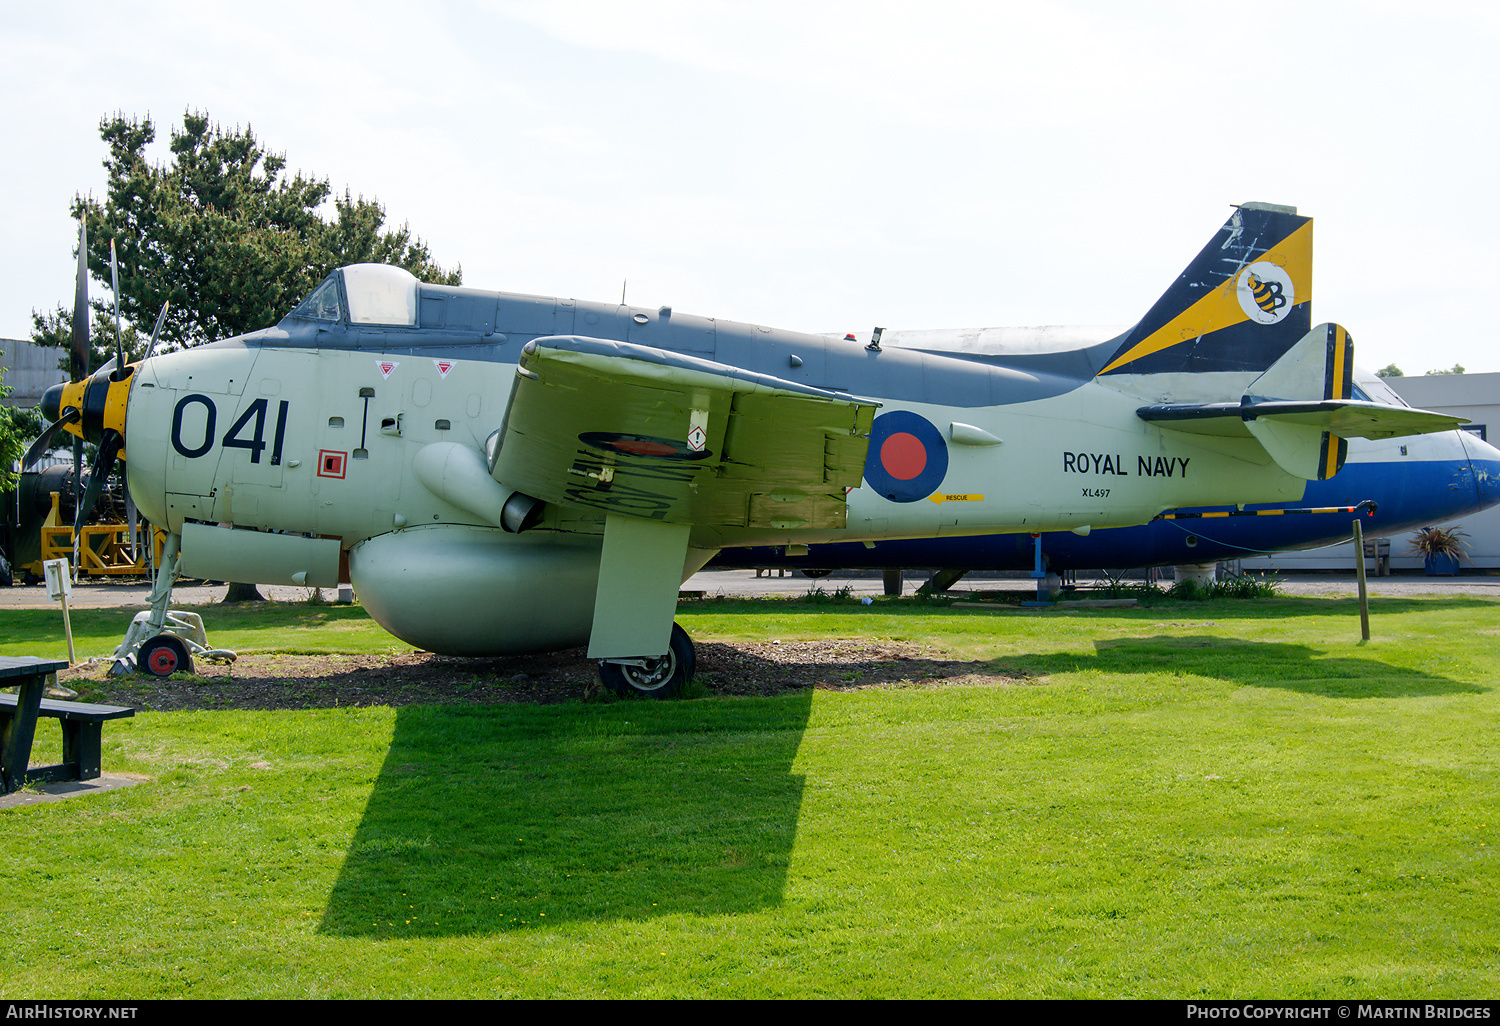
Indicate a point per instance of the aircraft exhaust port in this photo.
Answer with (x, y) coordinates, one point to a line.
(520, 513)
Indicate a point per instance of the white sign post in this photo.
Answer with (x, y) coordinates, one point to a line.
(60, 589)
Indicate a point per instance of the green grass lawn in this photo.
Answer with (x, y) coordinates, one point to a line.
(294, 627)
(1215, 799)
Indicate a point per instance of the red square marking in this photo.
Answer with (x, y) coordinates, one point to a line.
(332, 464)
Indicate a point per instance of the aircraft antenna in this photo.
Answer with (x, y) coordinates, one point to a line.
(623, 283)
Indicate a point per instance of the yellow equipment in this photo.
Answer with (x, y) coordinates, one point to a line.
(103, 549)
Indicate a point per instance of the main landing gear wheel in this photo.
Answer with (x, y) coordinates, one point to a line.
(163, 656)
(658, 678)
(816, 572)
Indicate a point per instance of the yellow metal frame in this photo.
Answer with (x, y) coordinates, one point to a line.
(103, 549)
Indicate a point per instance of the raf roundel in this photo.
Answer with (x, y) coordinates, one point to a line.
(908, 457)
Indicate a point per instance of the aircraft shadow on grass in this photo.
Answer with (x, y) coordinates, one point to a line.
(533, 815)
(489, 818)
(550, 815)
(1278, 608)
(1284, 606)
(1261, 664)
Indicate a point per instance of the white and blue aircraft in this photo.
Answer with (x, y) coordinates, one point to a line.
(499, 473)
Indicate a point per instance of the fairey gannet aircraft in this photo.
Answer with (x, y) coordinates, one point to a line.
(502, 473)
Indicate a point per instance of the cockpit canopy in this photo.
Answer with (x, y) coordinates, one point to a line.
(371, 294)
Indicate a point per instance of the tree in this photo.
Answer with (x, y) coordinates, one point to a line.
(56, 329)
(222, 233)
(17, 428)
(1457, 368)
(1390, 371)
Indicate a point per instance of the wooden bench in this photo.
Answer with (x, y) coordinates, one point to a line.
(1379, 549)
(82, 726)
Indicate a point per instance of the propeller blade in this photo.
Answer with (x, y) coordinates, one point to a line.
(81, 308)
(114, 281)
(77, 494)
(46, 439)
(109, 445)
(156, 331)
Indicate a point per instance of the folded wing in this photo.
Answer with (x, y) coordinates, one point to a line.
(640, 432)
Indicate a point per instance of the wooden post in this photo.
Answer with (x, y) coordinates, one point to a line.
(60, 589)
(1364, 598)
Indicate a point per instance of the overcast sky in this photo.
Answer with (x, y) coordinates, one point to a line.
(819, 166)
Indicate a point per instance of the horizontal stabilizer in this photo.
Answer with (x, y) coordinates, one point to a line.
(1350, 418)
(1300, 409)
(1304, 438)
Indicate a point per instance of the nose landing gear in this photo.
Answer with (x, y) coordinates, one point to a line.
(162, 641)
(163, 656)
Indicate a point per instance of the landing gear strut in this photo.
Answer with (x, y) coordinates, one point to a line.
(661, 677)
(161, 641)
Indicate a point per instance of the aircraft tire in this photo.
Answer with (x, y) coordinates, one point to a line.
(662, 678)
(163, 656)
(816, 572)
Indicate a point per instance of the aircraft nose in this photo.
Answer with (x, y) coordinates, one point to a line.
(1484, 458)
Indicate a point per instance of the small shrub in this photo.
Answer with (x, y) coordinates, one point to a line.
(818, 596)
(1119, 588)
(1246, 586)
(1242, 587)
(1440, 541)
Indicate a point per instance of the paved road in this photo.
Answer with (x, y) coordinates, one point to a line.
(745, 582)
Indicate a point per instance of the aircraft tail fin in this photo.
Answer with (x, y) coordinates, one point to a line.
(1243, 302)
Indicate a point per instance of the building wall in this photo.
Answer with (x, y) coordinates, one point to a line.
(1473, 396)
(30, 370)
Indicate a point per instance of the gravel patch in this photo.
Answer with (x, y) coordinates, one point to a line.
(303, 682)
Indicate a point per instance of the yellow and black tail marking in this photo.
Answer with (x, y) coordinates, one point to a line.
(1239, 306)
(1338, 383)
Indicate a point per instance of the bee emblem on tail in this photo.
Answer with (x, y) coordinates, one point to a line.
(1266, 292)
